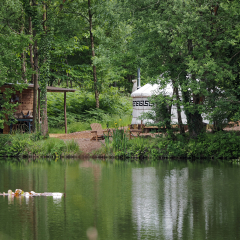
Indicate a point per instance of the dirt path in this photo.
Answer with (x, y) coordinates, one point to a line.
(83, 140)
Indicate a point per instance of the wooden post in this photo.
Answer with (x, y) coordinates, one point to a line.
(65, 112)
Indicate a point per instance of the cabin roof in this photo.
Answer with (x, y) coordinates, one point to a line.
(49, 88)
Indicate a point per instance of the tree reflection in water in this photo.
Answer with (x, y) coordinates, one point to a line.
(121, 200)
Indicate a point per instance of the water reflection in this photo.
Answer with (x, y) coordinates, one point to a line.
(184, 203)
(175, 202)
(207, 180)
(10, 199)
(145, 201)
(121, 201)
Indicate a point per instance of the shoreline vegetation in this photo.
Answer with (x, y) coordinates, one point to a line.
(35, 145)
(224, 145)
(189, 49)
(220, 145)
(168, 145)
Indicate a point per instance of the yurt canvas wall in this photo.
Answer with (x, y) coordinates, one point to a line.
(141, 103)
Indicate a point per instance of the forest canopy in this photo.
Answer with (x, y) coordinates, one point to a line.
(96, 44)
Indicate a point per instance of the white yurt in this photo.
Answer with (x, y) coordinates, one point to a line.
(141, 103)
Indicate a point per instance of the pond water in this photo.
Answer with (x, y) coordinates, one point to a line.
(121, 200)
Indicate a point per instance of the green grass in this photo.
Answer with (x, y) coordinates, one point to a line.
(81, 110)
(106, 122)
(28, 144)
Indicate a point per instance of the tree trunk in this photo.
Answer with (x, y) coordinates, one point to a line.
(34, 61)
(67, 72)
(34, 65)
(195, 124)
(23, 56)
(93, 55)
(35, 84)
(180, 124)
(39, 110)
(45, 119)
(44, 111)
(31, 47)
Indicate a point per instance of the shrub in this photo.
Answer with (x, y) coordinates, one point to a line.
(217, 145)
(72, 147)
(16, 145)
(27, 144)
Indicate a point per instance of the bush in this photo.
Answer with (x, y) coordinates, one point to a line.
(15, 145)
(222, 144)
(27, 144)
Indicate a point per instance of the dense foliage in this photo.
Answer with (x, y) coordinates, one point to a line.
(81, 108)
(221, 145)
(196, 45)
(96, 46)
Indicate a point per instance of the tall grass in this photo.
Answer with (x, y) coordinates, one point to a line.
(106, 122)
(55, 147)
(27, 144)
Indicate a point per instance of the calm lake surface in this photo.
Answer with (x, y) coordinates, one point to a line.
(122, 200)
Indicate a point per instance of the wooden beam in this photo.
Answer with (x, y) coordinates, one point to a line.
(65, 112)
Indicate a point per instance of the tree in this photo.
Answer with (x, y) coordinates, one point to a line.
(196, 44)
(13, 44)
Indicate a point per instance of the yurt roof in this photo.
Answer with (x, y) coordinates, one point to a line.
(150, 89)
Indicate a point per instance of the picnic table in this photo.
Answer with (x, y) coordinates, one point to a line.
(142, 129)
(147, 129)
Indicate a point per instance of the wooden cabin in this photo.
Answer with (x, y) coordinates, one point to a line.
(24, 111)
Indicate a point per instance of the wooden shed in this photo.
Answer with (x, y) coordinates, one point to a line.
(24, 111)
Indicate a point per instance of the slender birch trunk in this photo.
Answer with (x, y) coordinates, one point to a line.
(93, 55)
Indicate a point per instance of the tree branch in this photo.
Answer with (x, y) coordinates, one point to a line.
(78, 14)
(217, 35)
(12, 29)
(233, 57)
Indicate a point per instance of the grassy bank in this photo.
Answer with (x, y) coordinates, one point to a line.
(33, 144)
(220, 145)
